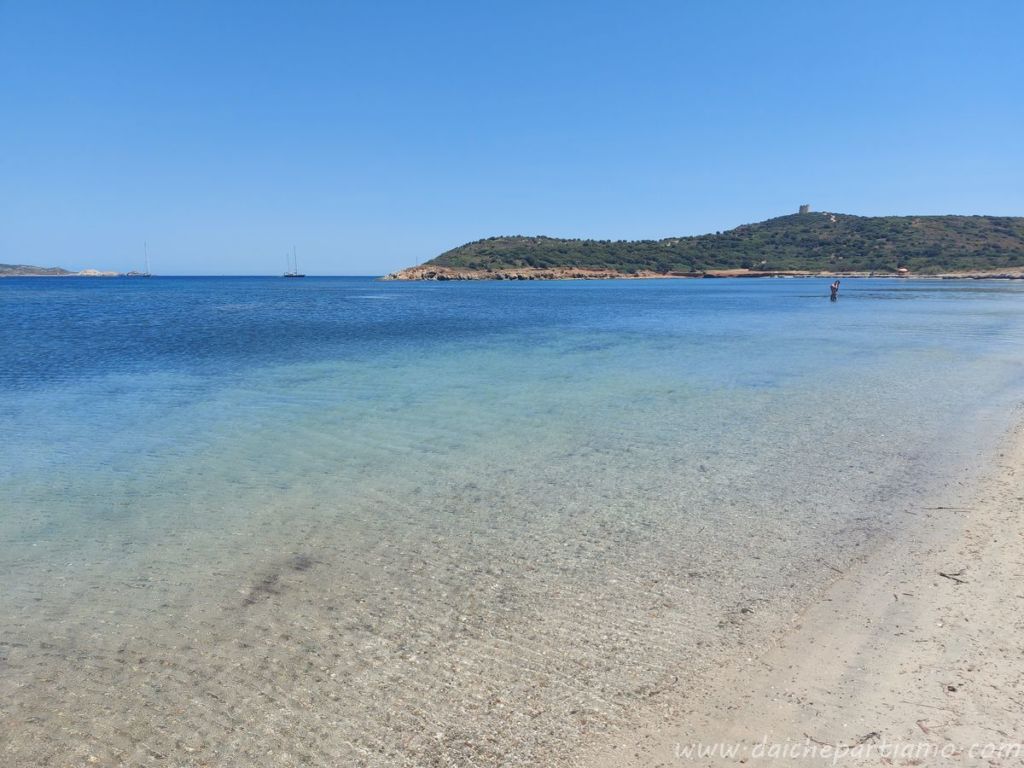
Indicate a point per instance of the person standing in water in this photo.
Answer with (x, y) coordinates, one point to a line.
(835, 290)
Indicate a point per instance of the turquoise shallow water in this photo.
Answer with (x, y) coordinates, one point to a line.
(340, 521)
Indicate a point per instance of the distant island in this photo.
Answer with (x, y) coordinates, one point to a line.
(26, 270)
(804, 243)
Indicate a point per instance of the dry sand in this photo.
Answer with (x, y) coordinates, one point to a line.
(897, 665)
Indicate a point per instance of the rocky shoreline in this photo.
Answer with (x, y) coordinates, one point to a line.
(437, 273)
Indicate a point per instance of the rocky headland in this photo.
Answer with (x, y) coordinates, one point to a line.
(802, 244)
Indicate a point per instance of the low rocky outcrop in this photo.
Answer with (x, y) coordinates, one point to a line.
(433, 272)
(428, 272)
(27, 270)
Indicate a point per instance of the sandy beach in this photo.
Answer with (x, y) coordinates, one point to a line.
(456, 545)
(511, 385)
(912, 657)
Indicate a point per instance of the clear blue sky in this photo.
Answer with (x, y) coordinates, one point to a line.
(374, 135)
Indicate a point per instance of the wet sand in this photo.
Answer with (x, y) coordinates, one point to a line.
(915, 656)
(540, 643)
(305, 664)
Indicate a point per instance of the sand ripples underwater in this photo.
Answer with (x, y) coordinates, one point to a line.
(258, 523)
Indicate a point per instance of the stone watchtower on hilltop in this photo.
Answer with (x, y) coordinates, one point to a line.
(805, 208)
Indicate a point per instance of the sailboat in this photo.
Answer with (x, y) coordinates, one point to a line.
(293, 270)
(133, 273)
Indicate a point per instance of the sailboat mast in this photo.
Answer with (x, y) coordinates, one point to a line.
(145, 248)
(293, 264)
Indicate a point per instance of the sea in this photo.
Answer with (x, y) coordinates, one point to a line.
(349, 522)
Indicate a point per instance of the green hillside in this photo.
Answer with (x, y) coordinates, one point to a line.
(809, 241)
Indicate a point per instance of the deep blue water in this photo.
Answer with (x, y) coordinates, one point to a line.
(462, 470)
